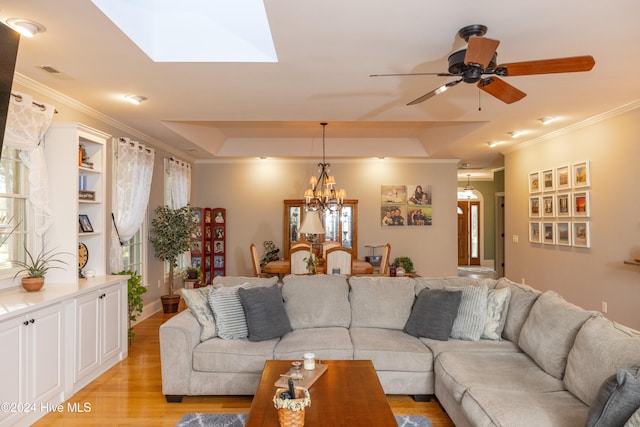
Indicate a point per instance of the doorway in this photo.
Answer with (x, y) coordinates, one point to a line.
(469, 232)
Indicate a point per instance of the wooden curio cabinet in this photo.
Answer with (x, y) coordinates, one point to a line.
(341, 227)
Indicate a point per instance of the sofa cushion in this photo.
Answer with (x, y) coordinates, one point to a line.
(510, 408)
(504, 371)
(497, 307)
(482, 346)
(391, 350)
(325, 343)
(451, 281)
(381, 302)
(634, 420)
(265, 312)
(227, 309)
(550, 330)
(197, 301)
(522, 299)
(317, 301)
(240, 355)
(602, 347)
(433, 314)
(617, 400)
(472, 313)
(229, 281)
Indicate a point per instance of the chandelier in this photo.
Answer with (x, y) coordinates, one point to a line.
(322, 195)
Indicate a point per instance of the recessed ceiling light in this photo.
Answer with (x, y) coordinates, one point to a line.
(492, 144)
(135, 99)
(26, 27)
(515, 133)
(546, 120)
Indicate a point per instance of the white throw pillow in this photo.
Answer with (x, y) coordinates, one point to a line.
(472, 313)
(231, 322)
(497, 306)
(198, 302)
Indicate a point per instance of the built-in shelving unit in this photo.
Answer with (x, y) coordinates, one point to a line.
(76, 162)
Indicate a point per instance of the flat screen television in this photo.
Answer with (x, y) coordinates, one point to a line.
(9, 40)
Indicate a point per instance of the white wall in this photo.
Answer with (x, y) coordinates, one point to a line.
(253, 194)
(584, 276)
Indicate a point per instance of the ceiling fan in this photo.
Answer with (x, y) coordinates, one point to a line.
(477, 64)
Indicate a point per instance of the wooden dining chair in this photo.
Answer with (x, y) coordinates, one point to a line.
(328, 245)
(384, 259)
(255, 261)
(338, 258)
(297, 264)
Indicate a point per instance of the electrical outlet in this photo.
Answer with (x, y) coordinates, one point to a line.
(604, 307)
(515, 238)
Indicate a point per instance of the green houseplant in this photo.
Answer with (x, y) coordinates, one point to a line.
(134, 297)
(404, 262)
(36, 268)
(193, 274)
(171, 230)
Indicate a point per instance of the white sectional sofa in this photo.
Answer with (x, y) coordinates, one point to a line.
(519, 357)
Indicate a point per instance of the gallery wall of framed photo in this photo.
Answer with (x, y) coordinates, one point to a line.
(560, 205)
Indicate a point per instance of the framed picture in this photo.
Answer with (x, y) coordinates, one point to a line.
(581, 204)
(548, 233)
(534, 182)
(548, 206)
(534, 231)
(534, 207)
(548, 181)
(85, 224)
(581, 235)
(563, 205)
(563, 233)
(563, 178)
(581, 175)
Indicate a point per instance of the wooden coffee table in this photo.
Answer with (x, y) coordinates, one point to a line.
(347, 394)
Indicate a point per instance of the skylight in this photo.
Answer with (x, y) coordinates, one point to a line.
(195, 30)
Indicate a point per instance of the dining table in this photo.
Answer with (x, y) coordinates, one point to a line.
(282, 267)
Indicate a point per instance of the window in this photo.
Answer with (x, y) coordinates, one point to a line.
(13, 209)
(132, 252)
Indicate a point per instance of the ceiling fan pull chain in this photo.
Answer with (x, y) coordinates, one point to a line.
(479, 104)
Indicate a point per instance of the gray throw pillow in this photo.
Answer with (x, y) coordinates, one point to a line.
(266, 316)
(433, 314)
(198, 303)
(618, 399)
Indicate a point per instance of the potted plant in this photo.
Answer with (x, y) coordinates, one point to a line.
(405, 264)
(36, 268)
(171, 230)
(193, 275)
(134, 298)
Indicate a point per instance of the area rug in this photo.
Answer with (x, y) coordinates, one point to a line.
(238, 420)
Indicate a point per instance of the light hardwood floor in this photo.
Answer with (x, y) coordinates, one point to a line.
(130, 394)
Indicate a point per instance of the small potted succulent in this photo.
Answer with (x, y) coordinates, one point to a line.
(36, 268)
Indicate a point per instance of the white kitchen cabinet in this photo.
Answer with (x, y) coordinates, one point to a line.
(31, 364)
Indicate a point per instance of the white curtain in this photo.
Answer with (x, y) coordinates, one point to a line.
(133, 170)
(180, 173)
(27, 122)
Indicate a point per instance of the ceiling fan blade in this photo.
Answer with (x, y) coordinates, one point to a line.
(501, 90)
(434, 92)
(412, 74)
(548, 66)
(480, 50)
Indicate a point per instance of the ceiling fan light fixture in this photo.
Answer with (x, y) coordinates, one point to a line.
(26, 27)
(135, 99)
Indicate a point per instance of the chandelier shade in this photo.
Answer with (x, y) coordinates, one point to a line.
(312, 224)
(322, 194)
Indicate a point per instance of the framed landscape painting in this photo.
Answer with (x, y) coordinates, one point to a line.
(563, 233)
(534, 206)
(534, 232)
(548, 206)
(581, 175)
(534, 182)
(563, 178)
(581, 204)
(548, 233)
(581, 235)
(548, 182)
(563, 205)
